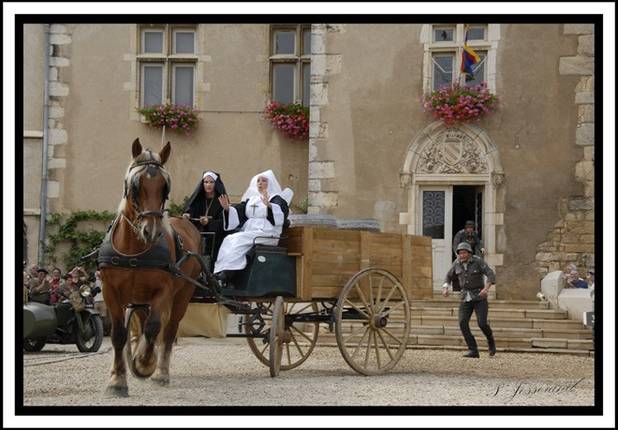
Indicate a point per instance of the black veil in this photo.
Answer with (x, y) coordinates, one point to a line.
(199, 194)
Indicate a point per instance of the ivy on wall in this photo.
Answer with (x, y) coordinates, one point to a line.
(82, 241)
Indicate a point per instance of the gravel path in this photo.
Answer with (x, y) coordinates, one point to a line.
(224, 372)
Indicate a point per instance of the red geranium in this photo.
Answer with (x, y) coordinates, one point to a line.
(457, 103)
(291, 119)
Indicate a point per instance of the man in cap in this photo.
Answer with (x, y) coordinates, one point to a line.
(40, 287)
(469, 270)
(470, 236)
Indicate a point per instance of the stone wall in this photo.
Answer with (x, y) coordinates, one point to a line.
(322, 185)
(572, 238)
(60, 41)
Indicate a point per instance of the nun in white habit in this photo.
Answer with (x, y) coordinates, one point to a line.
(263, 211)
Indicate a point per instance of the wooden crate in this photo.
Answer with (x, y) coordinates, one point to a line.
(327, 258)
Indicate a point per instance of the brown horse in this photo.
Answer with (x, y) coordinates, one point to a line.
(138, 226)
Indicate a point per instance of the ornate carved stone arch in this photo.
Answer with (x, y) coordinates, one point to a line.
(458, 155)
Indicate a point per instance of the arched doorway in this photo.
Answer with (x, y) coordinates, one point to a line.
(452, 174)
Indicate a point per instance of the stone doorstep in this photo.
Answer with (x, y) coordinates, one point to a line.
(502, 313)
(500, 349)
(505, 332)
(502, 323)
(501, 341)
(493, 304)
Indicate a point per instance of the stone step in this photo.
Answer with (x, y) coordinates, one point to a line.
(505, 332)
(494, 321)
(579, 352)
(499, 312)
(493, 304)
(501, 342)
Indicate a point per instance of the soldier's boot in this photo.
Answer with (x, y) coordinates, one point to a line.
(491, 346)
(471, 354)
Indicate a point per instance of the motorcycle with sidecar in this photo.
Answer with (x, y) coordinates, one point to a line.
(72, 320)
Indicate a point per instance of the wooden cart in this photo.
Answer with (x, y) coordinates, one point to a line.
(357, 283)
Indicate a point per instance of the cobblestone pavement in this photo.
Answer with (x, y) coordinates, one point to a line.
(224, 372)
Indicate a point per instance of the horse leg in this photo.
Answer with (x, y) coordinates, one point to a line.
(118, 382)
(179, 307)
(146, 357)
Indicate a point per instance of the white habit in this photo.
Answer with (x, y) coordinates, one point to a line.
(232, 254)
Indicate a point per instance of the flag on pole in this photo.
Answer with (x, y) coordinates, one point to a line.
(468, 59)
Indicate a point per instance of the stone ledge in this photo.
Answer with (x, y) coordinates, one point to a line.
(56, 89)
(584, 98)
(321, 170)
(57, 28)
(60, 39)
(323, 200)
(584, 134)
(578, 65)
(59, 62)
(578, 28)
(586, 45)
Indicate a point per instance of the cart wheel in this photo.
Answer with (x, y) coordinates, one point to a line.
(374, 306)
(299, 338)
(276, 337)
(134, 323)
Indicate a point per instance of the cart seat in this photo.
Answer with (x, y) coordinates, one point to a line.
(267, 248)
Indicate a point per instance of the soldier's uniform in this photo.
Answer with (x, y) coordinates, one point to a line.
(39, 292)
(472, 239)
(470, 276)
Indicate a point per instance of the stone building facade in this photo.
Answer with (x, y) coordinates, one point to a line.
(525, 173)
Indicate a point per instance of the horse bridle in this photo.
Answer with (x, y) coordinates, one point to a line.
(133, 189)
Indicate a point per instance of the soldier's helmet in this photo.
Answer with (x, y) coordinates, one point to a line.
(465, 247)
(470, 224)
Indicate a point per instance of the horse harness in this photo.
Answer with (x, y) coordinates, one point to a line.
(156, 256)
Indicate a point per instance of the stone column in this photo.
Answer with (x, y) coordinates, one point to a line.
(322, 187)
(572, 239)
(60, 41)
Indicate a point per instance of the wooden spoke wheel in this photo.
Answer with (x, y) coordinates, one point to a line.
(134, 323)
(298, 340)
(275, 337)
(372, 319)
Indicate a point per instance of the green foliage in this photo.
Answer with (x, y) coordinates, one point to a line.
(80, 242)
(174, 209)
(303, 206)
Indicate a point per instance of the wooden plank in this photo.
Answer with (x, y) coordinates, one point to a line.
(328, 268)
(307, 260)
(406, 264)
(420, 240)
(365, 240)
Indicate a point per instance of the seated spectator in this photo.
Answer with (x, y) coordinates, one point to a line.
(40, 288)
(573, 280)
(57, 283)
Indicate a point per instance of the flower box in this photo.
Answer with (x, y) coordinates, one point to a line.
(460, 104)
(291, 119)
(172, 117)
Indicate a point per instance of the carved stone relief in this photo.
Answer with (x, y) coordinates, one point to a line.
(452, 151)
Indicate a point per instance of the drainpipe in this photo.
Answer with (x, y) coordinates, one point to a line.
(43, 202)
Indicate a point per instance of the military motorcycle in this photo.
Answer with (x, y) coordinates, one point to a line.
(70, 321)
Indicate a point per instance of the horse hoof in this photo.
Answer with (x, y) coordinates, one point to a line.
(116, 391)
(161, 380)
(141, 371)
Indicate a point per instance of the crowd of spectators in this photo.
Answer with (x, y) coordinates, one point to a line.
(41, 286)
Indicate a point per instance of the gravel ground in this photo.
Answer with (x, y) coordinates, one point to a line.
(224, 372)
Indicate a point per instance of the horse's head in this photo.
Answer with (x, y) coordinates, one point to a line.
(146, 188)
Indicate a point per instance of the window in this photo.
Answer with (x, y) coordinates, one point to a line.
(445, 51)
(290, 63)
(167, 59)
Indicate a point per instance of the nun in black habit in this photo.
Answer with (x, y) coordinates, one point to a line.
(206, 213)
